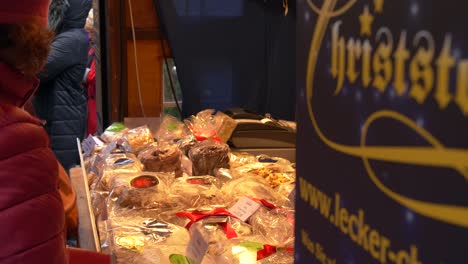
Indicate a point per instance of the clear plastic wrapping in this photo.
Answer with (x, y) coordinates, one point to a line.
(280, 257)
(274, 174)
(145, 240)
(207, 156)
(139, 190)
(171, 130)
(253, 187)
(253, 250)
(225, 126)
(99, 201)
(276, 160)
(137, 138)
(214, 234)
(238, 159)
(195, 192)
(276, 226)
(245, 251)
(288, 191)
(185, 144)
(202, 125)
(117, 164)
(162, 158)
(140, 187)
(210, 123)
(114, 132)
(187, 165)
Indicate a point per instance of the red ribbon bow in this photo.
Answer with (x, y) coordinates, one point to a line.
(269, 250)
(202, 138)
(197, 216)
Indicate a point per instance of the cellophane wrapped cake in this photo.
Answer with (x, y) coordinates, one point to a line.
(155, 196)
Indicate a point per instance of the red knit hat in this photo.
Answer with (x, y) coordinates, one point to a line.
(17, 11)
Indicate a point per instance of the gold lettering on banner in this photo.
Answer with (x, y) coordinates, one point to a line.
(338, 58)
(385, 65)
(461, 97)
(421, 72)
(401, 56)
(354, 53)
(380, 68)
(444, 63)
(382, 64)
(366, 64)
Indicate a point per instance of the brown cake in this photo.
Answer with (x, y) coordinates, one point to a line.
(208, 156)
(186, 144)
(162, 159)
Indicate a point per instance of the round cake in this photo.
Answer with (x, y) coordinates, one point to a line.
(162, 159)
(208, 156)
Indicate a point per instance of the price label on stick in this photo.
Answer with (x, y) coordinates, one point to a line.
(197, 247)
(88, 145)
(244, 208)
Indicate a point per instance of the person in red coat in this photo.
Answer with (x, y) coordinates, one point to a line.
(89, 80)
(32, 217)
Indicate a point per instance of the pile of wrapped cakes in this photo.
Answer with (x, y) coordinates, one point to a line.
(180, 195)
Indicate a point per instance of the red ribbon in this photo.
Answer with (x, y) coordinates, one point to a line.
(264, 203)
(202, 138)
(269, 250)
(289, 217)
(197, 216)
(228, 230)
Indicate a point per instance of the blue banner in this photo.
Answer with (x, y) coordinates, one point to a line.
(382, 131)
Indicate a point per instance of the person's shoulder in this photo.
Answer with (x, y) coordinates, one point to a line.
(19, 131)
(10, 114)
(74, 36)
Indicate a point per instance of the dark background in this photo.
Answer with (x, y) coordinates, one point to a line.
(233, 53)
(341, 117)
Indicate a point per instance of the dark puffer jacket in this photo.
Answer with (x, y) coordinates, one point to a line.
(61, 100)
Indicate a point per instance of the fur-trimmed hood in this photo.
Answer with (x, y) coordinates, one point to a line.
(68, 14)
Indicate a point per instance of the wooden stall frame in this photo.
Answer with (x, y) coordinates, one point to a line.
(88, 237)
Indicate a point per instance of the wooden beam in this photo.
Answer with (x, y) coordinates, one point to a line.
(86, 239)
(144, 33)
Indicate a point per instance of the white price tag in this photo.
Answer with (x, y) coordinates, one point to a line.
(197, 247)
(98, 141)
(109, 148)
(244, 208)
(88, 145)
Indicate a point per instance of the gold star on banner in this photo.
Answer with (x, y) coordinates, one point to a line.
(366, 20)
(378, 6)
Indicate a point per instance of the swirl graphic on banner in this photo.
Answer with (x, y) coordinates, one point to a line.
(436, 155)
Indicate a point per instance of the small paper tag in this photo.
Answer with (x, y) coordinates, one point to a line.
(244, 208)
(107, 150)
(98, 141)
(197, 247)
(88, 145)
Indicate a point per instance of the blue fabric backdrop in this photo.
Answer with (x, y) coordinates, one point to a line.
(233, 53)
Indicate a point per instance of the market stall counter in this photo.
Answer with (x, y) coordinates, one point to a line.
(181, 195)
